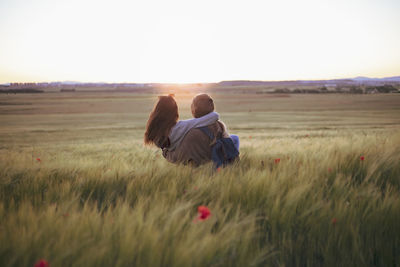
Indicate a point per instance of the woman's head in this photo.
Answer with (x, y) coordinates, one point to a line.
(163, 117)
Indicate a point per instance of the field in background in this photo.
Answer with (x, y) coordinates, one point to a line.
(61, 118)
(77, 187)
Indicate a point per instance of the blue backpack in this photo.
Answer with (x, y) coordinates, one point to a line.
(223, 152)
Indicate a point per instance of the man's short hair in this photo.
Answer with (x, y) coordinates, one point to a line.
(202, 104)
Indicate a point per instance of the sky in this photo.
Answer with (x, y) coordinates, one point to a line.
(183, 41)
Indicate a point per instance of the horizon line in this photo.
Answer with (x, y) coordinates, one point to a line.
(235, 80)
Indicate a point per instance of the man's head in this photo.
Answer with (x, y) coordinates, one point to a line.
(202, 104)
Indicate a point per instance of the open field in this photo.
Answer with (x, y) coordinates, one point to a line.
(77, 186)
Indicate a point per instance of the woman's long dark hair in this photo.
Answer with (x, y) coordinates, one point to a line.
(163, 117)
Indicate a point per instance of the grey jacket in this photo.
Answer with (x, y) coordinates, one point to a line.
(179, 131)
(196, 148)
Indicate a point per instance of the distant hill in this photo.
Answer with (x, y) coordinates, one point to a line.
(387, 79)
(349, 81)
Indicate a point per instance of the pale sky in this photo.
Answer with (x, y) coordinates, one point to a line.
(197, 41)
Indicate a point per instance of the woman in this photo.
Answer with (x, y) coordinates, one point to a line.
(163, 128)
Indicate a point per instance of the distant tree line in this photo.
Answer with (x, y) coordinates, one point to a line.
(21, 91)
(341, 89)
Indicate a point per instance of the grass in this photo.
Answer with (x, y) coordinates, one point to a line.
(98, 197)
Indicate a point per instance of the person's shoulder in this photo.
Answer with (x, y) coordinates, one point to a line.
(195, 137)
(194, 133)
(184, 124)
(223, 129)
(194, 141)
(179, 126)
(221, 123)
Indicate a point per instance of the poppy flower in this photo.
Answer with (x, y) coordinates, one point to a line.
(218, 169)
(203, 212)
(362, 158)
(277, 161)
(329, 169)
(42, 263)
(38, 160)
(334, 221)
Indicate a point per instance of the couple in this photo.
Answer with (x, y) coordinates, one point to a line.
(186, 141)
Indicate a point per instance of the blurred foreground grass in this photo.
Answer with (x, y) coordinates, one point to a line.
(80, 189)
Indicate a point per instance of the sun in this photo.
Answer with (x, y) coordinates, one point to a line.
(177, 53)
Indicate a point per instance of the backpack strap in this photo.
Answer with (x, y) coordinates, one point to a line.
(207, 132)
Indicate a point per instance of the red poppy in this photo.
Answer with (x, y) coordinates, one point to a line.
(277, 161)
(42, 263)
(329, 169)
(218, 169)
(204, 213)
(334, 221)
(38, 160)
(362, 158)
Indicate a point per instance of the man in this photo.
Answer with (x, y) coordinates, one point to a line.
(196, 146)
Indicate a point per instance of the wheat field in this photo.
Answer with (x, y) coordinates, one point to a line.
(318, 183)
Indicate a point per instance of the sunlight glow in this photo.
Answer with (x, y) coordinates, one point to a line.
(197, 41)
